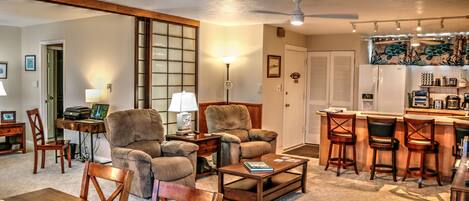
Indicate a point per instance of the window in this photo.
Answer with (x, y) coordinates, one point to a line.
(166, 60)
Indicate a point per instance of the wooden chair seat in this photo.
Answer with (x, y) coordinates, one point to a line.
(418, 145)
(58, 143)
(385, 144)
(166, 190)
(341, 138)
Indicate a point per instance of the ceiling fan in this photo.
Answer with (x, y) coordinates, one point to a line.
(297, 16)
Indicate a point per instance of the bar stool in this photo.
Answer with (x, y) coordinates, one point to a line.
(341, 132)
(460, 131)
(420, 137)
(381, 138)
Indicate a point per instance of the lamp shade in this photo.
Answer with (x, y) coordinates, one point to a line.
(2, 89)
(228, 59)
(183, 102)
(92, 95)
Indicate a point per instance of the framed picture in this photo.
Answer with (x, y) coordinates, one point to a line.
(3, 70)
(30, 63)
(8, 116)
(274, 64)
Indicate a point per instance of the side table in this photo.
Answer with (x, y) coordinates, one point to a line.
(208, 145)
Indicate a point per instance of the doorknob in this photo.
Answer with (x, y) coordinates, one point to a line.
(51, 98)
(287, 105)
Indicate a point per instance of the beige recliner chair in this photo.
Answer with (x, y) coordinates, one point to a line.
(239, 140)
(137, 143)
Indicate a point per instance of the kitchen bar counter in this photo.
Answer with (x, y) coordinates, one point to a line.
(443, 134)
(436, 112)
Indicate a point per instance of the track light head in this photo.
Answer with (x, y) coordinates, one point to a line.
(376, 27)
(419, 26)
(442, 23)
(398, 26)
(354, 28)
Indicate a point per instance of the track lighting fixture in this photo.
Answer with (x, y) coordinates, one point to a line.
(354, 28)
(418, 20)
(419, 26)
(398, 26)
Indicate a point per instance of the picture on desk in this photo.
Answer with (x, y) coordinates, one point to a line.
(8, 116)
(99, 111)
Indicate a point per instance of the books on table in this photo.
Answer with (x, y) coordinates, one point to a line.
(258, 166)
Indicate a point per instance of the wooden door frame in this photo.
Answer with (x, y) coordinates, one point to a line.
(42, 61)
(297, 49)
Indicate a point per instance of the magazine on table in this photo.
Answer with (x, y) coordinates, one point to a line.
(258, 166)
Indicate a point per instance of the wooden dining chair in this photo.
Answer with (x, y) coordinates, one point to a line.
(123, 179)
(166, 190)
(41, 144)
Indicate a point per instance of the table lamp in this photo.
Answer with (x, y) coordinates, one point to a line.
(183, 103)
(2, 89)
(92, 95)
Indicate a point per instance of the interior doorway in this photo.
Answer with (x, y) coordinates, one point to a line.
(54, 89)
(294, 82)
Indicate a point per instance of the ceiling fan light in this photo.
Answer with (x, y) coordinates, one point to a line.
(297, 20)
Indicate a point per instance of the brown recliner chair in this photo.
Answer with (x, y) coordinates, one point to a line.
(137, 143)
(239, 140)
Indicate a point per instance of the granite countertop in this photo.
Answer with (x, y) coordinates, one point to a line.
(439, 120)
(440, 111)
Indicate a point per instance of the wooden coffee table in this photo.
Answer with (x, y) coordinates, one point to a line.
(263, 186)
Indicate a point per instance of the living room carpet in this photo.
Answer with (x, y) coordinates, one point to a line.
(307, 150)
(16, 177)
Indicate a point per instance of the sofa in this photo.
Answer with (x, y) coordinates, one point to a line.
(239, 139)
(136, 138)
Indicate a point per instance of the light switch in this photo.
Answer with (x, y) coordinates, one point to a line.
(35, 84)
(278, 88)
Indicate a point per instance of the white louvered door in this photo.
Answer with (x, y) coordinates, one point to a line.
(330, 84)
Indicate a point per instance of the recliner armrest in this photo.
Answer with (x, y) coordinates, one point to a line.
(130, 154)
(262, 135)
(228, 138)
(178, 148)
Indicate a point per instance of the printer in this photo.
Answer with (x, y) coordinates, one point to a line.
(77, 113)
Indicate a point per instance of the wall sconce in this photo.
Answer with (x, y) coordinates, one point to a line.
(109, 87)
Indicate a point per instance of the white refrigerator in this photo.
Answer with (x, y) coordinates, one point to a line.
(382, 88)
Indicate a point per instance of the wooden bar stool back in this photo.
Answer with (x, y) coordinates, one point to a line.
(341, 132)
(41, 144)
(420, 138)
(166, 190)
(122, 178)
(460, 131)
(381, 138)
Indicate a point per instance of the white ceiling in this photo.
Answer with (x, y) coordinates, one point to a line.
(22, 13)
(236, 12)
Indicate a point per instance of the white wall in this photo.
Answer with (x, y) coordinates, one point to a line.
(242, 42)
(272, 105)
(97, 51)
(10, 52)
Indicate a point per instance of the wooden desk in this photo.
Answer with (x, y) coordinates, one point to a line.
(9, 130)
(92, 127)
(46, 194)
(207, 146)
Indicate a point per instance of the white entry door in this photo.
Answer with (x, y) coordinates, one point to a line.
(294, 98)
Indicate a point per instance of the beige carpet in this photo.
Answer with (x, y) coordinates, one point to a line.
(16, 177)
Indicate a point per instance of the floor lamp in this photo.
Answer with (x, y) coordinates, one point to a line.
(228, 84)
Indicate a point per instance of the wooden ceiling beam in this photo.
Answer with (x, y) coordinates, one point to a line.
(124, 10)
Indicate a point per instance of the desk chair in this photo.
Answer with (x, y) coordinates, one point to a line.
(40, 143)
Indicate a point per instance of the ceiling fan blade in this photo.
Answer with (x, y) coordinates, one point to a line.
(268, 12)
(335, 16)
